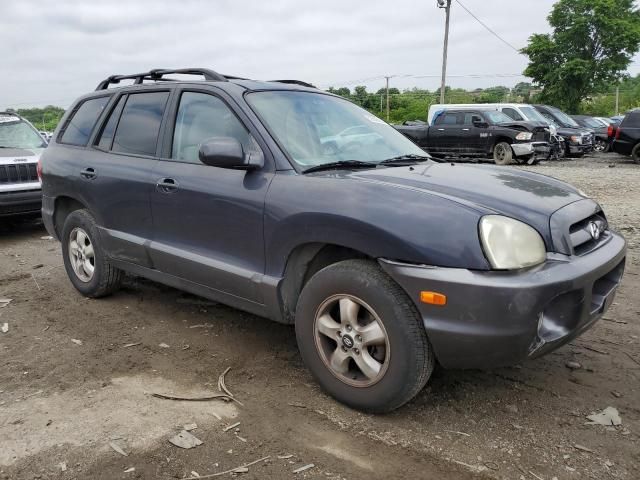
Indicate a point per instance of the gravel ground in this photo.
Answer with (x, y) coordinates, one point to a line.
(77, 376)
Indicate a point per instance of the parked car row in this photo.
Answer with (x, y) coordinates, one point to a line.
(496, 131)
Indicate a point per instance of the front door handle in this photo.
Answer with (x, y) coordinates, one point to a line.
(441, 129)
(88, 173)
(465, 129)
(167, 185)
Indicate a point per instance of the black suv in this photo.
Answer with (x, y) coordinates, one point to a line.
(247, 193)
(627, 140)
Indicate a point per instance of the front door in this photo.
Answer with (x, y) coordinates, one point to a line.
(208, 221)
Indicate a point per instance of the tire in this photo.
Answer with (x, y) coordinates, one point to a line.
(402, 353)
(635, 153)
(80, 227)
(600, 146)
(502, 153)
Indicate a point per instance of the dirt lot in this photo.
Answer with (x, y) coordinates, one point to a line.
(70, 384)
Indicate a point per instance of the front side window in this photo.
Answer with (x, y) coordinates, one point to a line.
(512, 113)
(202, 116)
(16, 133)
(497, 117)
(139, 125)
(310, 128)
(78, 128)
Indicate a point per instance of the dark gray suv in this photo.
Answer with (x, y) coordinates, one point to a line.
(298, 206)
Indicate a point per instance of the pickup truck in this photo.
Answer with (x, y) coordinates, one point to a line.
(481, 134)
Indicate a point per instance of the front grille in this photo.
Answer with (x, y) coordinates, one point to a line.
(588, 233)
(587, 139)
(18, 173)
(541, 135)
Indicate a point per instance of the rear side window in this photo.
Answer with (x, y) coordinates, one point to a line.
(106, 138)
(447, 119)
(139, 125)
(78, 128)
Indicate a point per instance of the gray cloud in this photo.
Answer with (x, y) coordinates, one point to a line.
(53, 51)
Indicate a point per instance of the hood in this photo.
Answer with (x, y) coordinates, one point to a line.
(528, 197)
(10, 156)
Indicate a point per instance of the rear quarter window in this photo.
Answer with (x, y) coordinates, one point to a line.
(81, 122)
(631, 120)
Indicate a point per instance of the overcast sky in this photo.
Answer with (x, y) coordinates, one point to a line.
(55, 50)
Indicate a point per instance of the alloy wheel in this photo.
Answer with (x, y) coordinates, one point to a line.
(351, 340)
(81, 254)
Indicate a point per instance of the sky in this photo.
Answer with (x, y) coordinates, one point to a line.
(53, 51)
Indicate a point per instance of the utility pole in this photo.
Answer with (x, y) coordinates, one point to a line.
(618, 100)
(387, 78)
(446, 4)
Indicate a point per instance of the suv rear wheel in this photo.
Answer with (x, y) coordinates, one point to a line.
(85, 261)
(362, 338)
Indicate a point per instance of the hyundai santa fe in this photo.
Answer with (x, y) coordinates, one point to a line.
(385, 260)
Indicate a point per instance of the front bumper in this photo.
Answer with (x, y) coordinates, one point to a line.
(579, 148)
(531, 148)
(495, 318)
(20, 202)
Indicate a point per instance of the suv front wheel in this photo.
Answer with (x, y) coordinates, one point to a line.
(362, 338)
(84, 259)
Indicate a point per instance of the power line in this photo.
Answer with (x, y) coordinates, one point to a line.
(488, 28)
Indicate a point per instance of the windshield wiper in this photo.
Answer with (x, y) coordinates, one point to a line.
(346, 164)
(401, 160)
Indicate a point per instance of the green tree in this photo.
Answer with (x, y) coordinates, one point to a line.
(591, 46)
(46, 118)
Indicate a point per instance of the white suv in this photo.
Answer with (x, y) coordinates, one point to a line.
(20, 149)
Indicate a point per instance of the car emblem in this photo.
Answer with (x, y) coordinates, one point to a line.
(347, 341)
(19, 160)
(594, 230)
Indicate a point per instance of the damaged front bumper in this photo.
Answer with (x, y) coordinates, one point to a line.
(497, 318)
(534, 150)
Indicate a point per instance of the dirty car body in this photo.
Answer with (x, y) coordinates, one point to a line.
(259, 227)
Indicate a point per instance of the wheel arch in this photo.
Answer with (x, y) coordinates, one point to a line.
(302, 263)
(63, 207)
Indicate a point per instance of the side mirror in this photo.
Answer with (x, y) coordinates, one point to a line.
(227, 152)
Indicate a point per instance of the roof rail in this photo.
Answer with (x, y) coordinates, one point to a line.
(295, 82)
(158, 73)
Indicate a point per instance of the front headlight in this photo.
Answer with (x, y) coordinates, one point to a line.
(524, 136)
(576, 139)
(510, 244)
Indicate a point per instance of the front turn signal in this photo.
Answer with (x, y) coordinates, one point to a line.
(433, 298)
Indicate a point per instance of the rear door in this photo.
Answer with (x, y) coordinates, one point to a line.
(117, 173)
(474, 139)
(446, 132)
(208, 226)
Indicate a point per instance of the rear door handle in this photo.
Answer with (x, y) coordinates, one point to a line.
(88, 173)
(441, 129)
(465, 129)
(167, 185)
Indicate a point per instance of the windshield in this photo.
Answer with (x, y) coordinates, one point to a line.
(316, 129)
(532, 114)
(15, 133)
(497, 117)
(564, 118)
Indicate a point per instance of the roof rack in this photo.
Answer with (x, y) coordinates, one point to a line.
(295, 82)
(158, 73)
